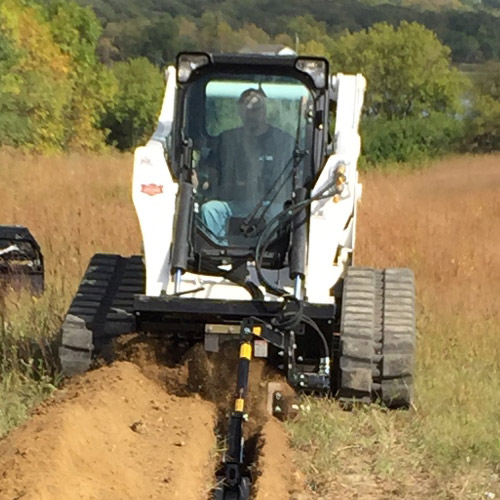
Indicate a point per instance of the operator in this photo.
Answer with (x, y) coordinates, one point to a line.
(248, 161)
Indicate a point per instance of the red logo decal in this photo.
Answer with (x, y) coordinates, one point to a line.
(151, 189)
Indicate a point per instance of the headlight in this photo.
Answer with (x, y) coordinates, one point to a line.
(187, 63)
(317, 69)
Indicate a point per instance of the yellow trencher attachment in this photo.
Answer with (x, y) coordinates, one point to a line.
(239, 404)
(246, 350)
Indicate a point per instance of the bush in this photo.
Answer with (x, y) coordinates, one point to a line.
(483, 119)
(130, 117)
(483, 126)
(409, 139)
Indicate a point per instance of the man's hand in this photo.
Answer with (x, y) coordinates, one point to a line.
(196, 182)
(194, 179)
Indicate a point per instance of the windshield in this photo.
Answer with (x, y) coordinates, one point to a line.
(249, 146)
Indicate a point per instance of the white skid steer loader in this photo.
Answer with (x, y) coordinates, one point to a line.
(247, 207)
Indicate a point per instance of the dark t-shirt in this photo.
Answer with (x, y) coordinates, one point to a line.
(248, 166)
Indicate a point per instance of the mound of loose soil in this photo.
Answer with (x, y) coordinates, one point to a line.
(213, 376)
(278, 478)
(146, 429)
(112, 434)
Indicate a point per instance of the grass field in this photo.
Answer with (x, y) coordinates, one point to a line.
(441, 221)
(75, 206)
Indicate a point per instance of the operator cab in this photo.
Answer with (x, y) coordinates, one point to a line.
(250, 135)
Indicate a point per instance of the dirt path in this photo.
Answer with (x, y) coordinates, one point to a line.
(112, 434)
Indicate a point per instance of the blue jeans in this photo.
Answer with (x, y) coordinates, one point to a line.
(215, 215)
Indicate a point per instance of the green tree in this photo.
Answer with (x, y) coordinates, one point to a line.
(33, 84)
(310, 35)
(469, 27)
(160, 39)
(483, 119)
(123, 39)
(13, 127)
(52, 88)
(408, 69)
(413, 95)
(130, 117)
(76, 30)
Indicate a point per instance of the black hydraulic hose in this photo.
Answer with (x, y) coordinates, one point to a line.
(263, 243)
(295, 316)
(309, 321)
(264, 239)
(252, 221)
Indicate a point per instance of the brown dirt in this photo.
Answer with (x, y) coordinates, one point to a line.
(211, 375)
(145, 430)
(112, 434)
(278, 478)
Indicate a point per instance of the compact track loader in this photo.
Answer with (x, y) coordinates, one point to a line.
(21, 260)
(246, 197)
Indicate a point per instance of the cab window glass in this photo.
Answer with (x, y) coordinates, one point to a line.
(247, 150)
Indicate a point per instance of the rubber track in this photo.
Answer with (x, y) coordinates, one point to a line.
(102, 309)
(399, 338)
(378, 336)
(358, 329)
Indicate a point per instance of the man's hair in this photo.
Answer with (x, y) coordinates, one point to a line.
(252, 99)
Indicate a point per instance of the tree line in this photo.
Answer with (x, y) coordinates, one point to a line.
(65, 82)
(55, 93)
(470, 29)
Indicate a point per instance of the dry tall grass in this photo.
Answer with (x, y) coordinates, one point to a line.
(441, 221)
(75, 206)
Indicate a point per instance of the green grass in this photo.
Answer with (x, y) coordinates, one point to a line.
(19, 392)
(75, 205)
(446, 446)
(28, 366)
(458, 389)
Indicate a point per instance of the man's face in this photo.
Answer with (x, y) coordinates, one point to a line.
(253, 118)
(252, 109)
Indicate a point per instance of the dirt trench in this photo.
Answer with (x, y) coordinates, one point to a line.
(145, 428)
